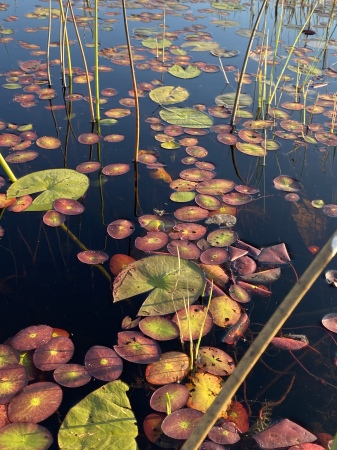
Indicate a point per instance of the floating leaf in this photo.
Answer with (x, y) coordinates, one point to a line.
(265, 276)
(120, 228)
(176, 394)
(183, 249)
(250, 149)
(159, 328)
(103, 416)
(204, 387)
(228, 6)
(291, 342)
(276, 254)
(225, 311)
(180, 424)
(215, 361)
(92, 257)
(71, 375)
(284, 433)
(13, 378)
(171, 368)
(56, 183)
(329, 321)
(215, 273)
(181, 72)
(200, 46)
(229, 99)
(156, 43)
(32, 337)
(193, 322)
(103, 363)
(288, 184)
(226, 433)
(169, 95)
(222, 238)
(27, 435)
(135, 347)
(53, 353)
(186, 117)
(171, 281)
(191, 213)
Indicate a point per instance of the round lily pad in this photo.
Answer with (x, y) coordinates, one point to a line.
(181, 423)
(330, 210)
(26, 435)
(205, 165)
(236, 198)
(103, 363)
(159, 328)
(288, 184)
(54, 353)
(329, 321)
(227, 433)
(115, 169)
(20, 204)
(188, 231)
(35, 402)
(175, 394)
(239, 294)
(214, 256)
(191, 213)
(208, 202)
(186, 117)
(13, 378)
(245, 265)
(88, 138)
(117, 113)
(68, 206)
(118, 262)
(9, 140)
(135, 347)
(184, 249)
(251, 149)
(92, 257)
(152, 222)
(183, 185)
(120, 228)
(215, 361)
(152, 426)
(169, 95)
(48, 142)
(192, 322)
(8, 355)
(197, 151)
(196, 175)
(182, 197)
(71, 375)
(53, 218)
(21, 156)
(224, 310)
(222, 237)
(171, 368)
(88, 167)
(32, 337)
(154, 240)
(227, 138)
(215, 187)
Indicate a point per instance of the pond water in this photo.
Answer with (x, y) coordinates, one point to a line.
(42, 280)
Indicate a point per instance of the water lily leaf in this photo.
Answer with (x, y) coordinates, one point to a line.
(54, 184)
(263, 277)
(170, 280)
(156, 43)
(169, 95)
(204, 387)
(306, 70)
(200, 46)
(229, 99)
(103, 416)
(180, 72)
(27, 435)
(228, 6)
(186, 117)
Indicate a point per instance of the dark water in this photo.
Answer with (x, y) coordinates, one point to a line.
(42, 280)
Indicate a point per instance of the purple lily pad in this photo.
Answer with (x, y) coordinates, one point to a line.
(181, 423)
(177, 394)
(171, 368)
(263, 277)
(329, 321)
(283, 434)
(188, 231)
(227, 433)
(68, 206)
(288, 184)
(120, 228)
(214, 256)
(185, 249)
(276, 254)
(290, 342)
(245, 265)
(330, 210)
(71, 375)
(32, 337)
(53, 218)
(115, 169)
(135, 347)
(103, 363)
(54, 353)
(92, 257)
(236, 198)
(13, 378)
(215, 186)
(191, 213)
(215, 361)
(154, 240)
(196, 175)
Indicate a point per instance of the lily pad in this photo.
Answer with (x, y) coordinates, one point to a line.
(153, 240)
(227, 433)
(156, 43)
(27, 435)
(287, 184)
(215, 187)
(8, 355)
(169, 95)
(183, 249)
(13, 378)
(329, 321)
(250, 149)
(191, 213)
(32, 337)
(215, 273)
(54, 353)
(171, 368)
(180, 424)
(193, 322)
(284, 433)
(55, 183)
(222, 238)
(135, 347)
(204, 387)
(225, 311)
(188, 231)
(229, 99)
(159, 328)
(186, 117)
(103, 416)
(275, 254)
(263, 277)
(171, 281)
(103, 363)
(71, 375)
(216, 361)
(174, 393)
(181, 72)
(120, 228)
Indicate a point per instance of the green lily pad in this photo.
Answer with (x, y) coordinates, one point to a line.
(186, 117)
(156, 43)
(182, 197)
(12, 86)
(200, 46)
(180, 72)
(169, 95)
(27, 435)
(227, 6)
(53, 183)
(103, 416)
(108, 121)
(170, 145)
(250, 149)
(229, 99)
(306, 70)
(170, 280)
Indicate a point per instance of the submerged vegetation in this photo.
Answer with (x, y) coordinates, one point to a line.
(248, 155)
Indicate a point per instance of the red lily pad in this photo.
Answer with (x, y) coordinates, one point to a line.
(207, 202)
(244, 189)
(21, 204)
(197, 151)
(103, 363)
(152, 426)
(239, 294)
(252, 251)
(255, 289)
(236, 198)
(117, 113)
(196, 175)
(250, 136)
(181, 423)
(329, 321)
(176, 394)
(237, 331)
(68, 206)
(330, 210)
(88, 138)
(225, 311)
(31, 337)
(205, 165)
(6, 202)
(71, 375)
(54, 353)
(185, 249)
(92, 257)
(215, 361)
(21, 156)
(114, 138)
(115, 169)
(214, 256)
(283, 434)
(118, 262)
(222, 237)
(13, 378)
(288, 184)
(48, 142)
(192, 142)
(120, 228)
(153, 240)
(183, 185)
(236, 253)
(227, 138)
(171, 368)
(159, 328)
(191, 213)
(264, 276)
(215, 273)
(238, 415)
(9, 140)
(135, 347)
(88, 167)
(290, 342)
(215, 187)
(227, 433)
(292, 197)
(30, 435)
(276, 254)
(188, 231)
(35, 402)
(192, 322)
(245, 265)
(53, 218)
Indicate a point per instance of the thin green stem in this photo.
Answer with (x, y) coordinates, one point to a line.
(7, 169)
(98, 114)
